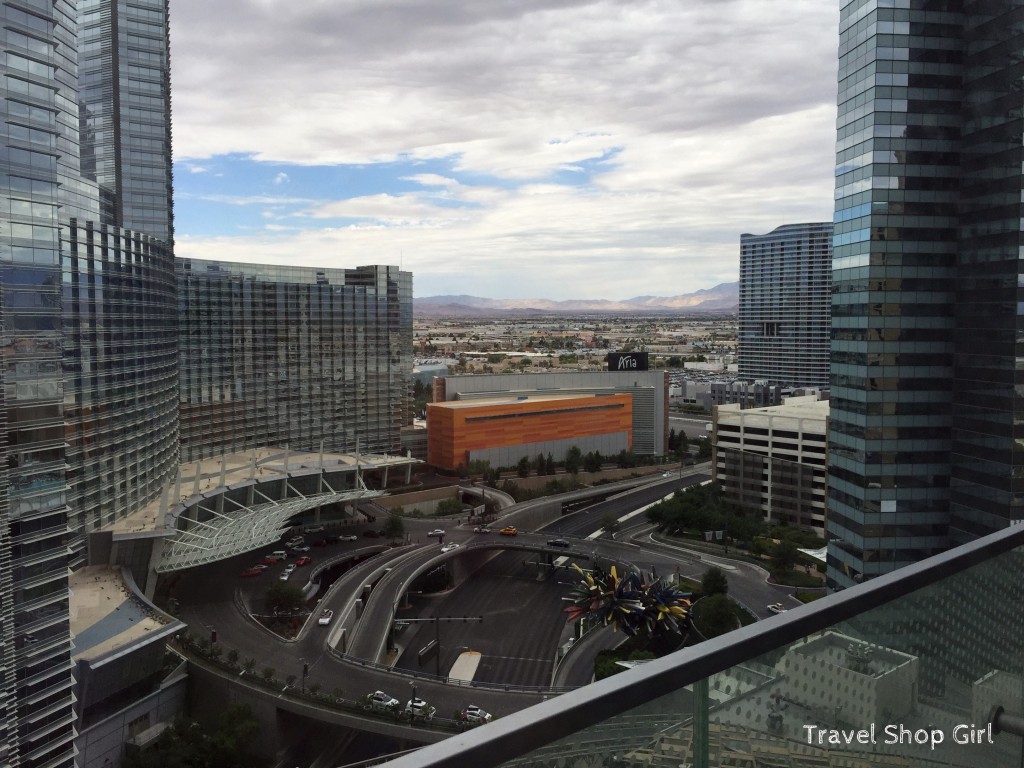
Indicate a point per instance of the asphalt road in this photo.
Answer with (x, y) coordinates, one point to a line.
(522, 616)
(504, 592)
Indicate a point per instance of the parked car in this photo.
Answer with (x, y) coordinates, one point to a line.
(251, 572)
(776, 608)
(482, 529)
(325, 618)
(379, 701)
(304, 560)
(509, 530)
(347, 537)
(436, 532)
(559, 543)
(285, 576)
(449, 547)
(314, 529)
(475, 716)
(371, 534)
(302, 548)
(290, 567)
(268, 561)
(295, 541)
(419, 709)
(261, 566)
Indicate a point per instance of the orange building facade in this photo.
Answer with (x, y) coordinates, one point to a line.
(502, 430)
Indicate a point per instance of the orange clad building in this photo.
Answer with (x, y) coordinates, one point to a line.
(502, 430)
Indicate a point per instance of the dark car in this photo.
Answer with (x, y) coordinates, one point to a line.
(559, 543)
(331, 539)
(371, 534)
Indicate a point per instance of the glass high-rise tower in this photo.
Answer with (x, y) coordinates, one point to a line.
(927, 421)
(292, 356)
(785, 302)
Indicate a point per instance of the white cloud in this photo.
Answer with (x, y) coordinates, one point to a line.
(281, 178)
(699, 120)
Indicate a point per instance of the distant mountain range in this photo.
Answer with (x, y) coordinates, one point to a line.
(723, 298)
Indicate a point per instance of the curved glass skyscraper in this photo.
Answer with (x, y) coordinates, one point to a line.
(927, 422)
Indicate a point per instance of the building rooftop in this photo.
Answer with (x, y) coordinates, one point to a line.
(513, 399)
(105, 614)
(261, 463)
(789, 415)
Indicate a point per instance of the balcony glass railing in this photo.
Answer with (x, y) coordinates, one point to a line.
(910, 669)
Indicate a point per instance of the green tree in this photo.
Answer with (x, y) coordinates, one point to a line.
(283, 597)
(715, 616)
(540, 464)
(394, 528)
(523, 467)
(714, 582)
(784, 556)
(593, 461)
(549, 465)
(187, 745)
(610, 523)
(450, 506)
(573, 459)
(703, 449)
(268, 673)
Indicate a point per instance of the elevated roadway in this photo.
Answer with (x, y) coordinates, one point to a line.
(346, 656)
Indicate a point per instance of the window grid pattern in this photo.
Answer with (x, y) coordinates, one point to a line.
(926, 272)
(275, 356)
(785, 305)
(121, 374)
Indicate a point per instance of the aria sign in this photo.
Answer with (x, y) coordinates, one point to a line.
(627, 361)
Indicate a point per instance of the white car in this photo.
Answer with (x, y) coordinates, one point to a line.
(379, 701)
(349, 537)
(418, 708)
(476, 716)
(436, 532)
(300, 548)
(325, 618)
(776, 608)
(449, 547)
(290, 567)
(285, 576)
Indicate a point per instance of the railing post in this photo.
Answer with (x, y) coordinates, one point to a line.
(700, 724)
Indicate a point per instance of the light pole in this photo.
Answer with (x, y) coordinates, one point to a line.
(305, 672)
(412, 684)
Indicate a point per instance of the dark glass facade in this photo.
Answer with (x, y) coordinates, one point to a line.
(785, 305)
(276, 356)
(926, 274)
(125, 111)
(40, 182)
(120, 374)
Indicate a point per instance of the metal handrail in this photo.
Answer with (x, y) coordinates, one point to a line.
(527, 730)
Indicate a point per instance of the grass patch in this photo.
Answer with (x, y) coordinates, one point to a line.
(808, 597)
(796, 579)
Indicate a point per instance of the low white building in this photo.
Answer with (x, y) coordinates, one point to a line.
(775, 459)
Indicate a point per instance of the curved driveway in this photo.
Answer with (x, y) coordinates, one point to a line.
(208, 600)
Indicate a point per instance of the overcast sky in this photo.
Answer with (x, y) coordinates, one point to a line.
(502, 148)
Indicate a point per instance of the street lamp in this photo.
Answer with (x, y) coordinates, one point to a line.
(305, 672)
(412, 684)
